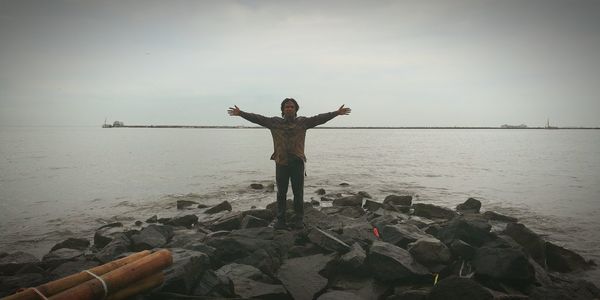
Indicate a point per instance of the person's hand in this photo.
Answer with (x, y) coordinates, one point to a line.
(234, 111)
(343, 110)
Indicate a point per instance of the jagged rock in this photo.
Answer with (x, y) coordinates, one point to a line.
(57, 257)
(256, 186)
(187, 268)
(405, 200)
(339, 295)
(251, 222)
(563, 260)
(364, 194)
(153, 236)
(184, 237)
(344, 184)
(181, 204)
(359, 284)
(404, 209)
(474, 230)
(202, 206)
(419, 221)
(462, 249)
(355, 200)
(533, 244)
(244, 271)
(32, 268)
(459, 288)
(503, 263)
(265, 214)
(471, 205)
(304, 250)
(389, 262)
(251, 289)
(402, 234)
(211, 284)
(433, 211)
(152, 219)
(72, 267)
(354, 259)
(164, 220)
(216, 234)
(430, 251)
(360, 232)
(106, 233)
(230, 221)
(314, 202)
(72, 243)
(138, 223)
(219, 208)
(499, 217)
(410, 293)
(327, 240)
(12, 262)
(565, 288)
(320, 192)
(371, 205)
(383, 220)
(120, 244)
(187, 221)
(11, 284)
(301, 276)
(348, 211)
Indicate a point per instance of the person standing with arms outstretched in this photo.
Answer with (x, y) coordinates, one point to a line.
(288, 134)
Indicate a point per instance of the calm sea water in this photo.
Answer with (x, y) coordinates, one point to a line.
(61, 182)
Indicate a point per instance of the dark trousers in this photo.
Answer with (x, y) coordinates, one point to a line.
(294, 171)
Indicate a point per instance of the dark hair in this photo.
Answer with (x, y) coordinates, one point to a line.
(289, 100)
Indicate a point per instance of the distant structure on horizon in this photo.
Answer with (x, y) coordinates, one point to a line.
(548, 125)
(506, 126)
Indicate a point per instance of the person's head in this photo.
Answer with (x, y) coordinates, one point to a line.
(289, 107)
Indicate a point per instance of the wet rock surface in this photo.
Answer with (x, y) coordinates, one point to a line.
(390, 249)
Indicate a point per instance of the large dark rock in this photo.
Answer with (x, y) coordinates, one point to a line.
(320, 192)
(360, 232)
(455, 288)
(219, 208)
(405, 200)
(265, 214)
(462, 249)
(181, 204)
(433, 211)
(153, 236)
(327, 240)
(57, 257)
(257, 186)
(106, 233)
(371, 205)
(301, 275)
(566, 288)
(355, 200)
(503, 263)
(533, 244)
(430, 251)
(187, 268)
(362, 285)
(354, 259)
(564, 260)
(389, 262)
(12, 262)
(212, 285)
(182, 238)
(230, 221)
(11, 284)
(119, 244)
(72, 243)
(491, 215)
(402, 234)
(251, 222)
(348, 211)
(250, 282)
(471, 205)
(187, 221)
(339, 295)
(474, 230)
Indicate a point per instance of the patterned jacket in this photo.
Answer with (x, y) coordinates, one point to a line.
(288, 134)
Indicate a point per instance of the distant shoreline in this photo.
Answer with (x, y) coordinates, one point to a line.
(350, 127)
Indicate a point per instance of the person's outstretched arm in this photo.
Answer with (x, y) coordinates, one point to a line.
(254, 118)
(324, 118)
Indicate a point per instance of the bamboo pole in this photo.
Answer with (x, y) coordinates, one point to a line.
(59, 285)
(119, 278)
(138, 287)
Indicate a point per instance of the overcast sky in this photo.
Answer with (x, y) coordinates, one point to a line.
(395, 63)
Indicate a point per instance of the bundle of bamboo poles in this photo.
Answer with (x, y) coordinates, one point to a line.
(115, 280)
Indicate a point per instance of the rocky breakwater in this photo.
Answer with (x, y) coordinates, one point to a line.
(358, 248)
